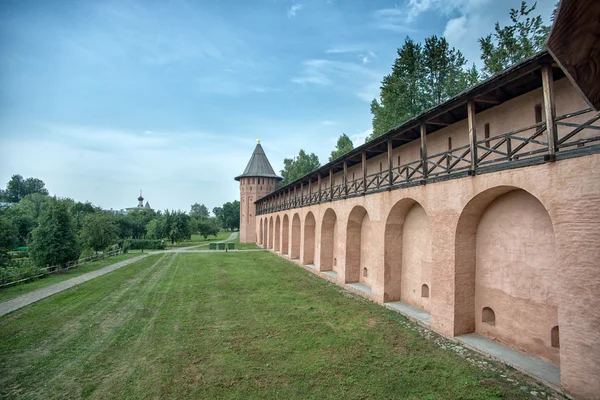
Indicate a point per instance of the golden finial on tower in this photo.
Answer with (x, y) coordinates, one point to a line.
(258, 140)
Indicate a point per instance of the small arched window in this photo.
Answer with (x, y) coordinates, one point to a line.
(554, 337)
(488, 316)
(424, 290)
(365, 272)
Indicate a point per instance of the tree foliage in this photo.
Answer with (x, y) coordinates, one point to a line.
(99, 231)
(199, 210)
(208, 227)
(173, 225)
(297, 167)
(54, 241)
(17, 188)
(423, 75)
(510, 44)
(8, 238)
(229, 216)
(343, 146)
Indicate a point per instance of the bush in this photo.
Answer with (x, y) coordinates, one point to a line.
(19, 270)
(146, 244)
(87, 253)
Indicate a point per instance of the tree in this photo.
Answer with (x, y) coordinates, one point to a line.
(80, 211)
(229, 216)
(422, 77)
(54, 241)
(199, 210)
(208, 227)
(174, 225)
(343, 146)
(510, 44)
(136, 222)
(217, 211)
(99, 231)
(294, 168)
(8, 238)
(17, 188)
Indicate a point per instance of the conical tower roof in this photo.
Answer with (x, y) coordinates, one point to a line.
(258, 166)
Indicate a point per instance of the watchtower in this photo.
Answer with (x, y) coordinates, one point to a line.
(257, 181)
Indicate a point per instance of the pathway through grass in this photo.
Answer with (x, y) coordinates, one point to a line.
(246, 325)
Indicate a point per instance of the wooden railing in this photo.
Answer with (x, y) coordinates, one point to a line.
(576, 135)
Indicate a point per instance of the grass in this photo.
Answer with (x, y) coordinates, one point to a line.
(10, 292)
(198, 240)
(232, 326)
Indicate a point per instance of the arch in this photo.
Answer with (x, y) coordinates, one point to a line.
(488, 316)
(505, 261)
(309, 239)
(295, 251)
(328, 235)
(407, 254)
(285, 235)
(277, 234)
(424, 290)
(358, 246)
(271, 228)
(260, 232)
(265, 233)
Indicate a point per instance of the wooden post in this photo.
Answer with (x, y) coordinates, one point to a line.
(424, 149)
(364, 170)
(390, 162)
(345, 177)
(330, 184)
(549, 109)
(309, 191)
(319, 186)
(301, 194)
(472, 134)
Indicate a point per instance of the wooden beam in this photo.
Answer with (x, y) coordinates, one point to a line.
(437, 122)
(549, 109)
(487, 99)
(424, 149)
(301, 194)
(319, 186)
(345, 177)
(472, 134)
(330, 184)
(390, 161)
(364, 170)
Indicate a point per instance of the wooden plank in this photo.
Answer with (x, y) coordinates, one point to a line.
(390, 149)
(345, 177)
(549, 108)
(424, 149)
(472, 134)
(320, 187)
(364, 170)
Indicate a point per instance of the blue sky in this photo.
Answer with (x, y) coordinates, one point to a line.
(102, 98)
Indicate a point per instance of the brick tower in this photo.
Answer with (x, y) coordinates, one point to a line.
(258, 180)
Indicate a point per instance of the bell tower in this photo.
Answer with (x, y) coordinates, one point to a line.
(258, 180)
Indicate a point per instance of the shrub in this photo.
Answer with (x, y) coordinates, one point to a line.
(19, 270)
(146, 244)
(87, 253)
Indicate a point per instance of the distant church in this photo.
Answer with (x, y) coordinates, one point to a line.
(140, 205)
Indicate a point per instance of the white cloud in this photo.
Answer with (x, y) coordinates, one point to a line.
(456, 29)
(352, 48)
(393, 19)
(365, 60)
(328, 123)
(359, 138)
(294, 9)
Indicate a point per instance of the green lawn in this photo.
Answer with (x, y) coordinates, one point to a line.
(21, 288)
(237, 326)
(197, 239)
(244, 246)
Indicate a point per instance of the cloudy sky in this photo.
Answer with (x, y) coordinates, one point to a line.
(103, 98)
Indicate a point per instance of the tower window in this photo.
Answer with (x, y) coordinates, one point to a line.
(424, 291)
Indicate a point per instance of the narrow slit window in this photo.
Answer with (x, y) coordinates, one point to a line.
(398, 160)
(449, 143)
(554, 337)
(380, 166)
(486, 132)
(538, 113)
(425, 291)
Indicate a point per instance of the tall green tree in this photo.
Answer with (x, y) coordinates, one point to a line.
(173, 224)
(208, 227)
(510, 44)
(422, 76)
(54, 241)
(343, 146)
(8, 238)
(229, 217)
(199, 210)
(17, 188)
(294, 168)
(99, 231)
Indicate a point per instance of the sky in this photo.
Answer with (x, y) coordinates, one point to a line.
(100, 99)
